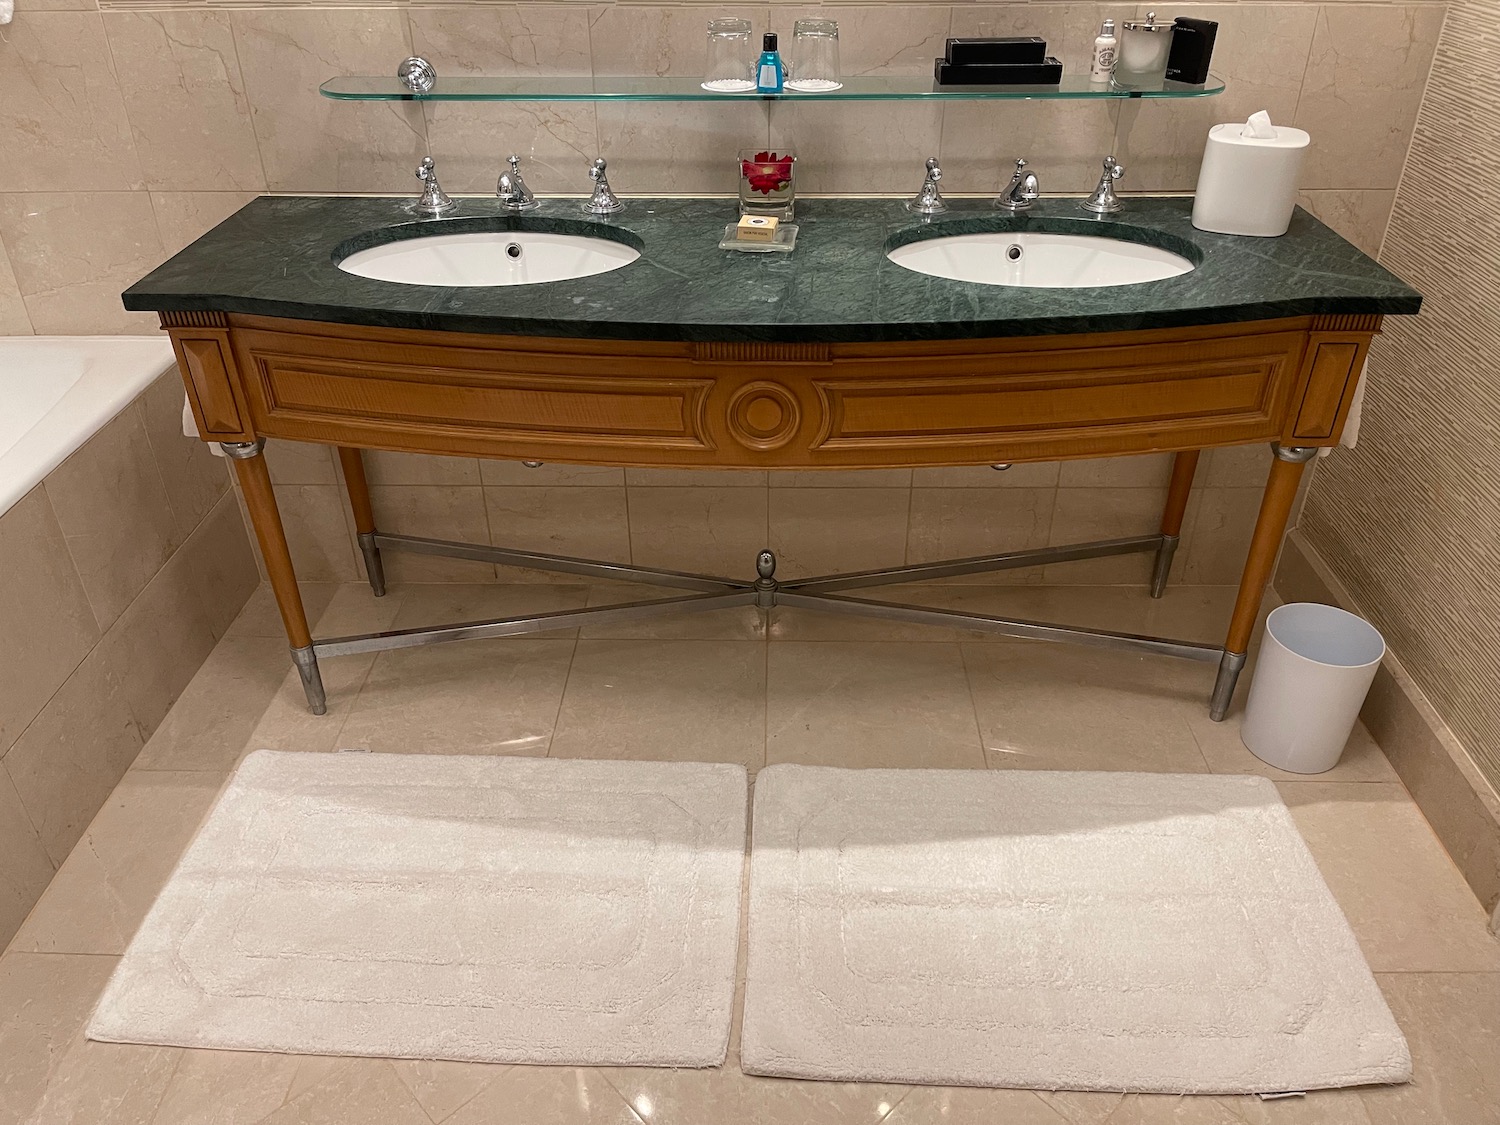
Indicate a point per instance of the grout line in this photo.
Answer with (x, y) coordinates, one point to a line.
(963, 659)
(563, 696)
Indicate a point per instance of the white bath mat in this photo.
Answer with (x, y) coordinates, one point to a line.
(1082, 931)
(426, 906)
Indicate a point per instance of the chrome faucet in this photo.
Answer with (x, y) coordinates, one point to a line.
(928, 200)
(512, 191)
(435, 200)
(1104, 201)
(1021, 192)
(604, 201)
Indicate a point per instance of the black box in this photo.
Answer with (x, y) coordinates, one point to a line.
(1192, 47)
(1048, 72)
(1014, 49)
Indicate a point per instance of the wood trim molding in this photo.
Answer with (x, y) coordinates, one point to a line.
(750, 352)
(194, 320)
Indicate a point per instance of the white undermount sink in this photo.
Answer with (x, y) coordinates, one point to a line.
(1039, 260)
(483, 258)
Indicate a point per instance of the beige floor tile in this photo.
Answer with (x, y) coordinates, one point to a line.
(25, 867)
(44, 1001)
(227, 1087)
(1407, 903)
(1054, 706)
(1323, 1107)
(261, 618)
(891, 705)
(743, 623)
(106, 886)
(470, 697)
(1452, 1024)
(359, 1092)
(210, 725)
(728, 1095)
(1225, 753)
(547, 1095)
(696, 701)
(450, 603)
(967, 1106)
(51, 1074)
(354, 609)
(442, 1088)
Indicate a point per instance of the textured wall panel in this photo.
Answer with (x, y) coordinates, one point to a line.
(1411, 519)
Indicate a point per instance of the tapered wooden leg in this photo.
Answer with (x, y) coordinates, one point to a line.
(260, 500)
(364, 516)
(1184, 465)
(1275, 507)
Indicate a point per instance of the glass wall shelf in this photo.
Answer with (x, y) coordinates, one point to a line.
(894, 89)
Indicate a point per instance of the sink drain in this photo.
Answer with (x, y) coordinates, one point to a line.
(513, 251)
(1014, 251)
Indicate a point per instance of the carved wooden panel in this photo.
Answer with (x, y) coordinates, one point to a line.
(206, 364)
(763, 415)
(1330, 375)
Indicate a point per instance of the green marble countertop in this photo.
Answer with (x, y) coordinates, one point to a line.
(278, 257)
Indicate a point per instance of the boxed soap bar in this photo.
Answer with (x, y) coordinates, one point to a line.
(1045, 73)
(1192, 48)
(756, 228)
(1008, 49)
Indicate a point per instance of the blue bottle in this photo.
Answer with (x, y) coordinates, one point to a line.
(768, 71)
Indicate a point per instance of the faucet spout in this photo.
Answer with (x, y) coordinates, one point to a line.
(512, 191)
(1022, 191)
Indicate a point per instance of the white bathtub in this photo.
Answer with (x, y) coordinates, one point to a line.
(56, 392)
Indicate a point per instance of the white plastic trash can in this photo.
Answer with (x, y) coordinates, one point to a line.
(1315, 669)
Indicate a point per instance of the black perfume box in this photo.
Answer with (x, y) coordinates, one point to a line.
(1192, 48)
(1048, 72)
(1011, 49)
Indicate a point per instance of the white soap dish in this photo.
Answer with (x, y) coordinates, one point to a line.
(784, 243)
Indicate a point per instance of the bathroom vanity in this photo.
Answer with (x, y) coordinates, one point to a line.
(830, 357)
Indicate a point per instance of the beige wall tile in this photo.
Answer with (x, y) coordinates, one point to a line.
(703, 530)
(678, 147)
(414, 468)
(839, 478)
(194, 478)
(864, 146)
(74, 753)
(1261, 52)
(103, 890)
(113, 508)
(829, 530)
(221, 565)
(299, 462)
(73, 253)
(60, 107)
(1034, 474)
(555, 142)
(685, 478)
(1365, 78)
(317, 532)
(516, 472)
(583, 522)
(159, 643)
(14, 320)
(186, 100)
(954, 523)
(1218, 538)
(184, 216)
(1358, 215)
(434, 512)
(1234, 466)
(1085, 514)
(1149, 471)
(25, 870)
(43, 600)
(307, 142)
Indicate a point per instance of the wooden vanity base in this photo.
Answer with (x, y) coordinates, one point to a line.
(1288, 383)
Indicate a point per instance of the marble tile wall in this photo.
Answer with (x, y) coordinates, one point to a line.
(131, 126)
(1408, 521)
(122, 569)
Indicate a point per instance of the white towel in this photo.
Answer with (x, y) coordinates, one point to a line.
(190, 424)
(1350, 437)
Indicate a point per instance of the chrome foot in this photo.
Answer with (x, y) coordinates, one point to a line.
(312, 680)
(374, 568)
(1164, 555)
(1230, 665)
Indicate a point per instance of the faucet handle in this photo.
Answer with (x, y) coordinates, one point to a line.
(515, 163)
(928, 200)
(1104, 201)
(434, 200)
(603, 201)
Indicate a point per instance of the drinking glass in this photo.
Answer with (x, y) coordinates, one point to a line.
(730, 60)
(767, 183)
(815, 57)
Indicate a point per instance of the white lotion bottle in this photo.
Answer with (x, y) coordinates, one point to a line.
(1104, 53)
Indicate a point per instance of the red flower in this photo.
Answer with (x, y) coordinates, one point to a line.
(767, 172)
